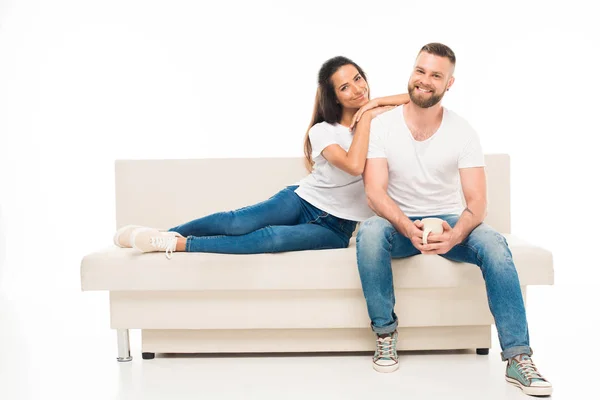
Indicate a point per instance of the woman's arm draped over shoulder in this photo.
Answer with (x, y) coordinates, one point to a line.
(353, 161)
(395, 100)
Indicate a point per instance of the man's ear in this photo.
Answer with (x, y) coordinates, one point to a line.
(450, 83)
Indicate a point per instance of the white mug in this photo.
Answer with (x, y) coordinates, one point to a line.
(431, 225)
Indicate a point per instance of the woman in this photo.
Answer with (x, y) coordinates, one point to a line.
(320, 212)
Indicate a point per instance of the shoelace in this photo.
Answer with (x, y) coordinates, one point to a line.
(166, 243)
(528, 369)
(385, 347)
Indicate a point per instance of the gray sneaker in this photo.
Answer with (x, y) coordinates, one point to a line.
(386, 356)
(522, 372)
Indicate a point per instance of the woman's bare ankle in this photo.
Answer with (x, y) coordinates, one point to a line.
(181, 241)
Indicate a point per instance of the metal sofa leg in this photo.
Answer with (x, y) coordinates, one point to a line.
(124, 353)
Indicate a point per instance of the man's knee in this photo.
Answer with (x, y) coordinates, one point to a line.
(373, 231)
(490, 244)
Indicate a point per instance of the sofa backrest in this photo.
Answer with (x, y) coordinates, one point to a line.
(165, 193)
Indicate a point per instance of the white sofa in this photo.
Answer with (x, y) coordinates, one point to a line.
(309, 301)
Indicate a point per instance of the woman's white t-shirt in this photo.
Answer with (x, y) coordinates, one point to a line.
(328, 187)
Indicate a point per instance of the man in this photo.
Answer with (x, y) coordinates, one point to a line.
(420, 156)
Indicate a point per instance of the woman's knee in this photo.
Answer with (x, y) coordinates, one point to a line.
(233, 224)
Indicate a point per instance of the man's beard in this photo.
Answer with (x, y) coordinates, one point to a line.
(421, 100)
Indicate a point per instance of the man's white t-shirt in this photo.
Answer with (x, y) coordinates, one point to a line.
(424, 175)
(328, 187)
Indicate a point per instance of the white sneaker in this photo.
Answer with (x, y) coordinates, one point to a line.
(386, 356)
(148, 240)
(122, 237)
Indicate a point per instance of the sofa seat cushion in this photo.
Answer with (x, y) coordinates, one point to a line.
(117, 269)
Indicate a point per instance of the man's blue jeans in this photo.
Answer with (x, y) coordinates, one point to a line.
(378, 242)
(285, 222)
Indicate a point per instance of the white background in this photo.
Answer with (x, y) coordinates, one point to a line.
(83, 83)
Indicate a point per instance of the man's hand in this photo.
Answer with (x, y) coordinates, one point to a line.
(414, 233)
(440, 243)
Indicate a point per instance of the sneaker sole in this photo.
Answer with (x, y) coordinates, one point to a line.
(385, 368)
(530, 390)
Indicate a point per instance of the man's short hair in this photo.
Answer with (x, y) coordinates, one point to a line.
(441, 50)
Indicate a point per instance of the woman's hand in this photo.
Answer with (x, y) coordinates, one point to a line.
(370, 105)
(371, 112)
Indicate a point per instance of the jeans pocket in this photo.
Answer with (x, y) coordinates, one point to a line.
(347, 227)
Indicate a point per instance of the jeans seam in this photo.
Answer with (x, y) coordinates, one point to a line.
(391, 240)
(324, 215)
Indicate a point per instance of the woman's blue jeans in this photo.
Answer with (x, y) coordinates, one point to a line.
(378, 242)
(285, 222)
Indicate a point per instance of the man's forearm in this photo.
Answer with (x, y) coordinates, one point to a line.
(385, 207)
(471, 217)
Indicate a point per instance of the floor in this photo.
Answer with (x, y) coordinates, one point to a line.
(60, 346)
